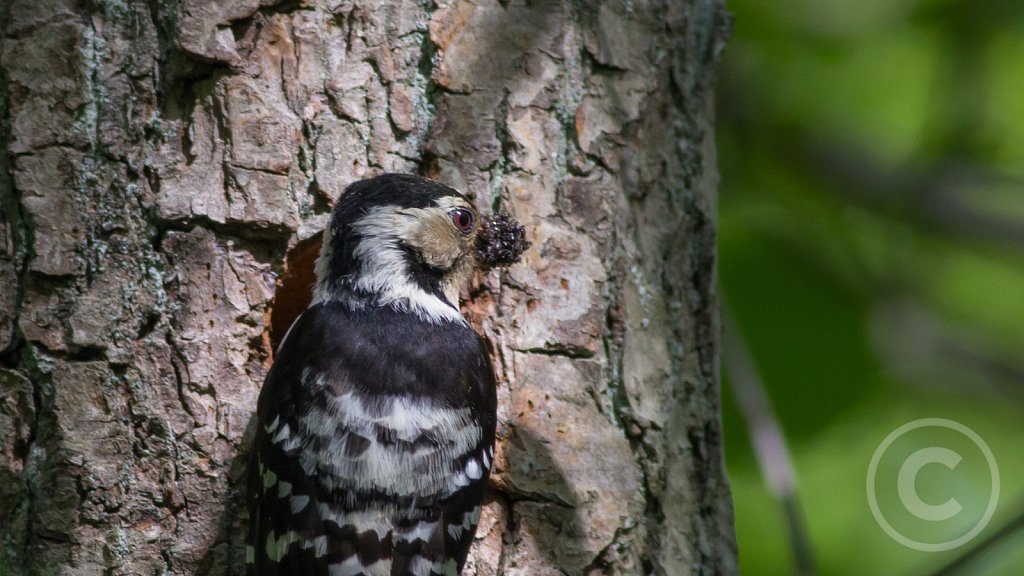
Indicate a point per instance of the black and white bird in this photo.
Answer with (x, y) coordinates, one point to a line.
(376, 422)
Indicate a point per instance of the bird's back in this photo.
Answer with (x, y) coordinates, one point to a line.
(375, 438)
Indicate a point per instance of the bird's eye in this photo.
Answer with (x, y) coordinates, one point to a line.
(463, 219)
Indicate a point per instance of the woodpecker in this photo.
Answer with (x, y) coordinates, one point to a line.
(376, 423)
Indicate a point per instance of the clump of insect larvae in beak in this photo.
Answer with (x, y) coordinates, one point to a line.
(500, 242)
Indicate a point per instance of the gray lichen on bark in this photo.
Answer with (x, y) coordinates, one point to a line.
(159, 160)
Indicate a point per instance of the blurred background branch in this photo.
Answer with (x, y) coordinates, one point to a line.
(768, 440)
(871, 233)
(963, 563)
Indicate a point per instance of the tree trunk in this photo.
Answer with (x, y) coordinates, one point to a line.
(166, 167)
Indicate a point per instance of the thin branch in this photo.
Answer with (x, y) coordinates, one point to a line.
(959, 563)
(944, 195)
(768, 440)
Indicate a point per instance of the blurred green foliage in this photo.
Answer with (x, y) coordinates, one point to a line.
(872, 251)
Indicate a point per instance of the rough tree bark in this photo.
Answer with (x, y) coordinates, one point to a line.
(166, 166)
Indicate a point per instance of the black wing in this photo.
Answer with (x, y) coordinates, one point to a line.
(374, 442)
(277, 483)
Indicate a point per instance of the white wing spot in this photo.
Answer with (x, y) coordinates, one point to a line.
(469, 519)
(318, 545)
(284, 489)
(281, 434)
(449, 568)
(473, 469)
(269, 479)
(278, 547)
(298, 503)
(273, 425)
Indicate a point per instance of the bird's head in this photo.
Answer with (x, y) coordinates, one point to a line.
(399, 240)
